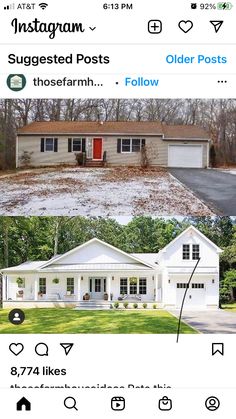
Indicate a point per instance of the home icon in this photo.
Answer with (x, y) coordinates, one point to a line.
(16, 82)
(23, 404)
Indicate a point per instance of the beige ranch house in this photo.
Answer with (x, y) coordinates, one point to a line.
(113, 143)
(96, 274)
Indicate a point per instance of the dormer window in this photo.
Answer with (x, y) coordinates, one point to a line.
(195, 252)
(186, 251)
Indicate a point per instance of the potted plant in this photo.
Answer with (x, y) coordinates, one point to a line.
(55, 281)
(40, 294)
(125, 305)
(135, 305)
(144, 305)
(20, 282)
(105, 296)
(116, 305)
(86, 296)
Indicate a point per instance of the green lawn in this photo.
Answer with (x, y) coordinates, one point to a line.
(63, 320)
(229, 307)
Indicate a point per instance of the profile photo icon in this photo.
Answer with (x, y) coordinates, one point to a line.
(212, 403)
(16, 316)
(16, 82)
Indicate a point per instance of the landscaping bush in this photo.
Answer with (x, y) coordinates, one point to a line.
(154, 306)
(135, 305)
(144, 305)
(116, 304)
(125, 305)
(225, 296)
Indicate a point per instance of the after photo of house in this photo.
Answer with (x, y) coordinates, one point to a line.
(159, 157)
(128, 275)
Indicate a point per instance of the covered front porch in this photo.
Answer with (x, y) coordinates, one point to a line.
(68, 289)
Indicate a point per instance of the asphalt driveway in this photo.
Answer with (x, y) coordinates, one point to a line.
(217, 189)
(215, 321)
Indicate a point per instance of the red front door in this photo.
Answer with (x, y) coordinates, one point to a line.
(97, 148)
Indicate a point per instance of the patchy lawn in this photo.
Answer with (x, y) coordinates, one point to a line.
(97, 192)
(63, 320)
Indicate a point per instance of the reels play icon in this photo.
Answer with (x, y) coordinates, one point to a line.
(118, 403)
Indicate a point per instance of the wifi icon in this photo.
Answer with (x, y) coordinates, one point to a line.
(43, 5)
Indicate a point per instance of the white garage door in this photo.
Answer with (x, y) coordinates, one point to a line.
(185, 156)
(196, 295)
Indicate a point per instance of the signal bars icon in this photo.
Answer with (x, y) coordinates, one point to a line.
(9, 7)
(43, 5)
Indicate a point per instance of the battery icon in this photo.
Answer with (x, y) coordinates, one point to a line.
(224, 6)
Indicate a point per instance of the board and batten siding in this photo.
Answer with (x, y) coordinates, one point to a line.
(157, 150)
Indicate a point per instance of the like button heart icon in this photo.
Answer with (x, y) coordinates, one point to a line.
(185, 25)
(16, 348)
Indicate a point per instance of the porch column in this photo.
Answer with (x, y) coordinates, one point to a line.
(79, 288)
(156, 287)
(36, 288)
(4, 287)
(109, 288)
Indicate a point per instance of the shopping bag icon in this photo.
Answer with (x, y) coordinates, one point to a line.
(165, 403)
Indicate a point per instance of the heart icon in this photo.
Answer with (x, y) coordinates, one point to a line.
(185, 25)
(16, 348)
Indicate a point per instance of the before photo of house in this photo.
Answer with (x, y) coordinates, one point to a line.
(62, 157)
(113, 143)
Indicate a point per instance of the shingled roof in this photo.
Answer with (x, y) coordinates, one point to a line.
(114, 128)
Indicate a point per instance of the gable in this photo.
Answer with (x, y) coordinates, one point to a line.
(209, 252)
(94, 251)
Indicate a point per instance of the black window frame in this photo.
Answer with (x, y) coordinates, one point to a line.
(195, 251)
(182, 285)
(43, 286)
(142, 286)
(198, 285)
(186, 252)
(70, 287)
(123, 286)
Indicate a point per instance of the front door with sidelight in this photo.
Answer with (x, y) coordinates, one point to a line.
(97, 288)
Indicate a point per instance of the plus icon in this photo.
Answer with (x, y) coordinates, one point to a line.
(154, 26)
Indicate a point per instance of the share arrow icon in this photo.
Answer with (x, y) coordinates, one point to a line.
(67, 347)
(217, 24)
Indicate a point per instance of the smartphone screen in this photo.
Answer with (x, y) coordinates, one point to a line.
(117, 209)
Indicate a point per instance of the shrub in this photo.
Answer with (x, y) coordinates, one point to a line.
(25, 158)
(125, 304)
(79, 157)
(116, 304)
(154, 306)
(144, 305)
(225, 296)
(135, 305)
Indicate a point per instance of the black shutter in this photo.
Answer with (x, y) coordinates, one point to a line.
(69, 145)
(55, 145)
(143, 142)
(118, 145)
(42, 145)
(83, 145)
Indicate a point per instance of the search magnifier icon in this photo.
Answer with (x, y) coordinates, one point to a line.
(70, 403)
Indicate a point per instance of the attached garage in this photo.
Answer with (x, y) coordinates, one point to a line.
(185, 155)
(196, 295)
